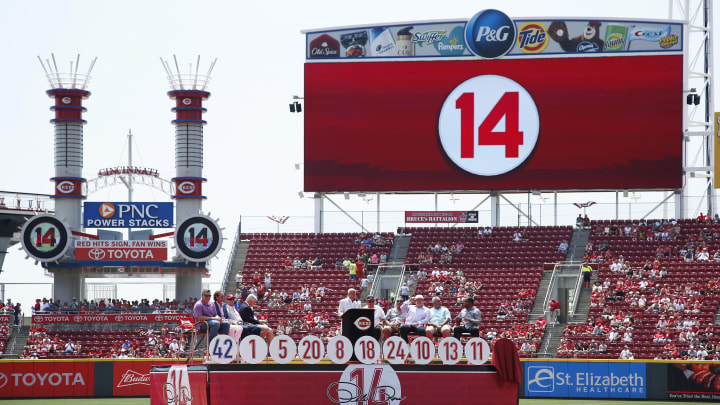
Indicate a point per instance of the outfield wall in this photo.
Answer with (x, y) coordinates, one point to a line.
(542, 378)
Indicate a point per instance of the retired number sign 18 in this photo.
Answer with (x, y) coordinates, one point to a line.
(489, 125)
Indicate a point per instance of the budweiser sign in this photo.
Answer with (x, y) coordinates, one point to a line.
(107, 318)
(133, 378)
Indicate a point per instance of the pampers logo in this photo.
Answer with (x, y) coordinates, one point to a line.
(540, 379)
(453, 44)
(490, 34)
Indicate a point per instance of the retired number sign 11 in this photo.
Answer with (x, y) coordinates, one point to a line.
(489, 125)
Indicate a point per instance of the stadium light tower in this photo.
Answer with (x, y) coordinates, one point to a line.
(188, 89)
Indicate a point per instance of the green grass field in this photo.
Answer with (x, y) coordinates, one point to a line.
(145, 401)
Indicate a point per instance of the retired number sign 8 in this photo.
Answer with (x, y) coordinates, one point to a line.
(489, 125)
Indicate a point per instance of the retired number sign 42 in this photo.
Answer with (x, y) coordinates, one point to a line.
(489, 125)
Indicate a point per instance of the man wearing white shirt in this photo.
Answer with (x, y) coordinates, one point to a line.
(349, 302)
(417, 318)
(231, 314)
(379, 316)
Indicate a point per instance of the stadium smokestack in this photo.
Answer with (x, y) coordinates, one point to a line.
(189, 91)
(68, 90)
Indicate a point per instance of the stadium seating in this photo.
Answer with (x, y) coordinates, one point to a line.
(694, 283)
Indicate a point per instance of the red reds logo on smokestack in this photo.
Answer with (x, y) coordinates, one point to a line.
(363, 323)
(65, 187)
(186, 187)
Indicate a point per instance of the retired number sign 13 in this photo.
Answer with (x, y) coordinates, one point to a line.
(198, 238)
(489, 125)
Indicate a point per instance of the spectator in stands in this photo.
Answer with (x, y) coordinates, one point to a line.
(417, 317)
(554, 309)
(587, 275)
(487, 232)
(379, 316)
(586, 222)
(205, 311)
(439, 321)
(469, 318)
(579, 221)
(349, 302)
(363, 284)
(394, 318)
(626, 354)
(352, 270)
(405, 292)
(563, 247)
(248, 316)
(70, 347)
(317, 264)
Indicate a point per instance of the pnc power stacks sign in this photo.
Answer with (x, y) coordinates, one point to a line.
(495, 103)
(127, 215)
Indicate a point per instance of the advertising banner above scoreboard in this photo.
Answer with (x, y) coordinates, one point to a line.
(128, 215)
(518, 38)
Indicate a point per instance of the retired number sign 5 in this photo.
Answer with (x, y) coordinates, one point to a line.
(198, 238)
(489, 125)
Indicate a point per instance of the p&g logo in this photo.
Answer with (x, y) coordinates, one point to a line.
(490, 34)
(540, 379)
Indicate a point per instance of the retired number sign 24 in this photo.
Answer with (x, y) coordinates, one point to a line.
(489, 125)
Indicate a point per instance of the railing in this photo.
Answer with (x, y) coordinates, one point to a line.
(551, 285)
(572, 305)
(400, 283)
(26, 201)
(548, 339)
(231, 260)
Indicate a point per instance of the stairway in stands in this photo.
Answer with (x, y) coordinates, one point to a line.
(16, 344)
(238, 262)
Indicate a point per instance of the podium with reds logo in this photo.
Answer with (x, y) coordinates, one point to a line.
(356, 323)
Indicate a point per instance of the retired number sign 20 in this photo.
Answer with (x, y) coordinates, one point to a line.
(45, 238)
(488, 125)
(198, 238)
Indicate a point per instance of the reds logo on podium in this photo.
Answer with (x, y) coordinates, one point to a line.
(363, 323)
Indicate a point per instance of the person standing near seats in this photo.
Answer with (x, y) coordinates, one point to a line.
(248, 316)
(587, 275)
(204, 310)
(348, 302)
(417, 318)
(469, 318)
(379, 316)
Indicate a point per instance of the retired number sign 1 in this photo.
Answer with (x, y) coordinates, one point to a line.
(488, 125)
(198, 239)
(45, 238)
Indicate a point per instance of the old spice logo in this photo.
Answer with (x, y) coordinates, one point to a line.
(133, 378)
(363, 323)
(65, 187)
(186, 187)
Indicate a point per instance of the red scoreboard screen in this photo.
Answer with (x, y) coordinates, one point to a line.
(507, 124)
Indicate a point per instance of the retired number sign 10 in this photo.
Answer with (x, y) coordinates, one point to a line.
(489, 125)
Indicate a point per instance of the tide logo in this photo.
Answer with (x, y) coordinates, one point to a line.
(363, 323)
(65, 187)
(532, 37)
(106, 210)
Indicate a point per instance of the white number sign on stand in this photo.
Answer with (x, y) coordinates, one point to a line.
(477, 351)
(422, 350)
(395, 350)
(253, 349)
(223, 349)
(450, 350)
(311, 349)
(367, 350)
(339, 349)
(283, 349)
